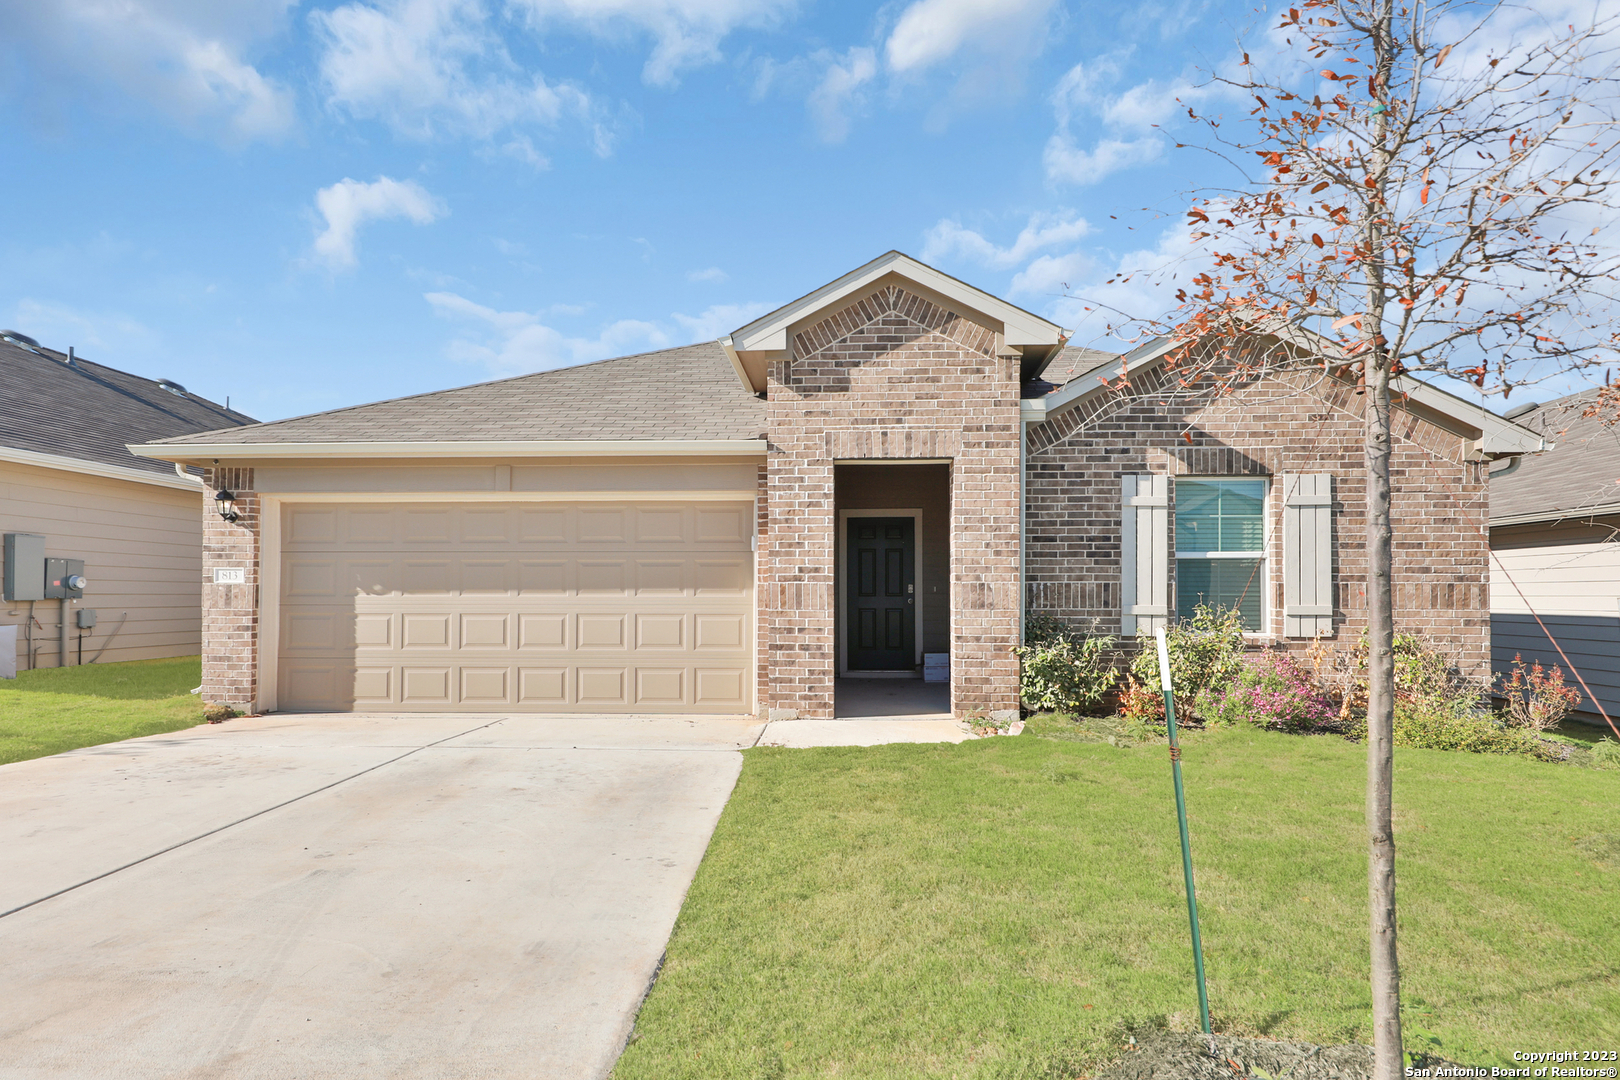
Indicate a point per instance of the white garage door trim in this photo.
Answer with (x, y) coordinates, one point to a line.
(271, 559)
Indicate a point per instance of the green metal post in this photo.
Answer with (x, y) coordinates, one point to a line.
(1181, 820)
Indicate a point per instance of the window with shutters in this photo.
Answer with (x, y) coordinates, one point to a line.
(1220, 547)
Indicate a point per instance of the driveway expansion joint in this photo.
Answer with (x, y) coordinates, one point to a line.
(239, 821)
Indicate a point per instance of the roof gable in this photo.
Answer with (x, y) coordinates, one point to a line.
(769, 337)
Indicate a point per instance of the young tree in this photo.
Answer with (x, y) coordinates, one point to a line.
(1434, 195)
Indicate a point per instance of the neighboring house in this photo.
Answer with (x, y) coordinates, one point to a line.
(838, 488)
(65, 475)
(1555, 532)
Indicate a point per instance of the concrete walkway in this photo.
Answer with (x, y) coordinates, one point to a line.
(347, 896)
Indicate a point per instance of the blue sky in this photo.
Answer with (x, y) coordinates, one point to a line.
(311, 205)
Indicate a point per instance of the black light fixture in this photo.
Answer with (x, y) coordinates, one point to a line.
(225, 503)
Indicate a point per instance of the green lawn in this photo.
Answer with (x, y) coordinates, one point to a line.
(55, 709)
(1007, 907)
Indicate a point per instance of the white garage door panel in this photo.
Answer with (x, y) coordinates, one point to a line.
(563, 608)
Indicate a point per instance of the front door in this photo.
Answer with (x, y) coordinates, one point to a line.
(881, 584)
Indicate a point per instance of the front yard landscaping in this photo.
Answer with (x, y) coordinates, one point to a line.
(1012, 907)
(50, 710)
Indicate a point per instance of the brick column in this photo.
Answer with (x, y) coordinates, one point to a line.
(230, 614)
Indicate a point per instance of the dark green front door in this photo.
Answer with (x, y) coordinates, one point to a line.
(881, 582)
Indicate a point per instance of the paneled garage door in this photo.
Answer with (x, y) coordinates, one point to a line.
(581, 607)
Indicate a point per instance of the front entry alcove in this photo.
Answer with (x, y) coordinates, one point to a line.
(893, 585)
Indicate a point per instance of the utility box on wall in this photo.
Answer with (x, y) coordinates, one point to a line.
(64, 579)
(24, 567)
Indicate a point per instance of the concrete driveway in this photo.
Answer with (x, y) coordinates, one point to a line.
(339, 896)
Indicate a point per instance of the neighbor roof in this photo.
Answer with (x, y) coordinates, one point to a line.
(689, 393)
(1076, 362)
(89, 411)
(1580, 474)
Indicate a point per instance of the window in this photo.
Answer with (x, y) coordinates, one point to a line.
(1220, 547)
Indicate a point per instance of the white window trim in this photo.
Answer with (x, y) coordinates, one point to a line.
(1267, 529)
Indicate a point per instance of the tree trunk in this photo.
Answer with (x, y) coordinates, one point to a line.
(1386, 976)
(1386, 973)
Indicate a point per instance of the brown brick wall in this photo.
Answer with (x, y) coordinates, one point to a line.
(1286, 423)
(230, 620)
(891, 376)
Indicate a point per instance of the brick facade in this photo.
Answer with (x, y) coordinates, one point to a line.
(891, 376)
(1291, 422)
(230, 621)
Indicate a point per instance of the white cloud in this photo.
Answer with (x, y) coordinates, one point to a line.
(186, 58)
(348, 204)
(839, 92)
(1067, 163)
(949, 239)
(1137, 285)
(515, 342)
(107, 337)
(713, 273)
(1051, 275)
(719, 320)
(1130, 120)
(687, 33)
(429, 67)
(930, 32)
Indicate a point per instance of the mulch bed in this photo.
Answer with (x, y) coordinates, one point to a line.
(1163, 1055)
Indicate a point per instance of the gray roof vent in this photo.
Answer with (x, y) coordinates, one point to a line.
(18, 338)
(1521, 410)
(172, 387)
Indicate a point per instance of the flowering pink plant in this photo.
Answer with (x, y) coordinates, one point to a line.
(1273, 691)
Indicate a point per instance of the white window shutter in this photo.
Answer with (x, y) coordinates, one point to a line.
(1144, 552)
(1307, 554)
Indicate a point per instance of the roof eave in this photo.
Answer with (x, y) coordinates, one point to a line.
(201, 453)
(18, 456)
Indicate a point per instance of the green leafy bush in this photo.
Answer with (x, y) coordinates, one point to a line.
(1605, 754)
(1206, 654)
(1064, 674)
(1425, 727)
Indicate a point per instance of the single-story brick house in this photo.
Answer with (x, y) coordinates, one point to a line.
(872, 473)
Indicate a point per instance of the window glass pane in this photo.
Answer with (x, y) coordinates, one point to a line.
(1223, 583)
(1220, 515)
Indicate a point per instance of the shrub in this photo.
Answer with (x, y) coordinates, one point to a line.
(1141, 705)
(1272, 690)
(1206, 653)
(1041, 628)
(1606, 754)
(1534, 698)
(1064, 674)
(1427, 728)
(1426, 677)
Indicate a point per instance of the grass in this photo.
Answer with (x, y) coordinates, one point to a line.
(50, 710)
(1006, 908)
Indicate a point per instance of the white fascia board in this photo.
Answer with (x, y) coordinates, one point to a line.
(1498, 435)
(95, 468)
(736, 364)
(1020, 327)
(192, 452)
(1550, 516)
(1035, 410)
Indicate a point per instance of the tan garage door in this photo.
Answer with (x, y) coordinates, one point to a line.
(587, 607)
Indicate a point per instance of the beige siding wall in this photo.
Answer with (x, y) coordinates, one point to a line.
(1560, 569)
(142, 551)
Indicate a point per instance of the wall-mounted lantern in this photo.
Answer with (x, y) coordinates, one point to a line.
(225, 503)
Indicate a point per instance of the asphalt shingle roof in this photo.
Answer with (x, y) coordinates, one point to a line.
(1580, 472)
(687, 393)
(90, 411)
(1076, 362)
